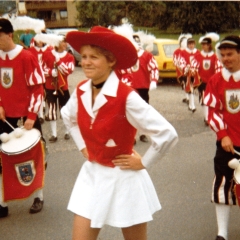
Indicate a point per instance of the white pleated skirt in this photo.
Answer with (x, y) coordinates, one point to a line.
(115, 197)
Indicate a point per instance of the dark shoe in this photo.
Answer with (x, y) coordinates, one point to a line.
(220, 238)
(193, 110)
(143, 138)
(206, 122)
(52, 139)
(37, 206)
(66, 136)
(41, 120)
(3, 211)
(185, 100)
(47, 118)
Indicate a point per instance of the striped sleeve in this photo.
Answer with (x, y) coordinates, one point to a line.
(35, 79)
(215, 116)
(153, 69)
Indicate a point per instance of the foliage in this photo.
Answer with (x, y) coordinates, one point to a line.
(172, 16)
(201, 16)
(6, 6)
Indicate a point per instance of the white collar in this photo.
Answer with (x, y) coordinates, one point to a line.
(11, 54)
(205, 54)
(109, 88)
(226, 75)
(57, 54)
(191, 51)
(43, 49)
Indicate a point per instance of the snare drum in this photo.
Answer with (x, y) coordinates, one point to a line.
(22, 164)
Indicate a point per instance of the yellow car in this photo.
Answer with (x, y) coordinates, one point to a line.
(163, 50)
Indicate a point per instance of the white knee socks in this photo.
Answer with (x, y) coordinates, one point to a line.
(191, 101)
(222, 213)
(2, 203)
(53, 125)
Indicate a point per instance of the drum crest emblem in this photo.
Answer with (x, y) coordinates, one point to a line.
(6, 77)
(26, 172)
(233, 101)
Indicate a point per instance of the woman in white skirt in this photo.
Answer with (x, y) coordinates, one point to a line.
(102, 115)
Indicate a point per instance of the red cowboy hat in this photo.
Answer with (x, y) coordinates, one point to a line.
(121, 47)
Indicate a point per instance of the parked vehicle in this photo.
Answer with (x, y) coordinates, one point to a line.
(163, 50)
(70, 49)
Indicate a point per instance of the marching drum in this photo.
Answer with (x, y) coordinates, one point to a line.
(23, 156)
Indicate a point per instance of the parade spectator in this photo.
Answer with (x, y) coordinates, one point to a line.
(222, 98)
(205, 64)
(25, 39)
(58, 64)
(102, 116)
(21, 94)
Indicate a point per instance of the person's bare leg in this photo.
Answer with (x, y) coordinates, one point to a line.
(82, 229)
(134, 232)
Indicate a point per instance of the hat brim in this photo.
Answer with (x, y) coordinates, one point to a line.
(121, 47)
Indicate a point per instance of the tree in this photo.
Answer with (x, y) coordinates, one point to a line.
(111, 12)
(201, 16)
(92, 13)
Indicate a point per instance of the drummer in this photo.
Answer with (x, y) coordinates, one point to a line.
(21, 94)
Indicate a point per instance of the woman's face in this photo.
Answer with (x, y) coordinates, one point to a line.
(94, 64)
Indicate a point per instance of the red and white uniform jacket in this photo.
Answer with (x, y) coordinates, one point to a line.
(143, 72)
(63, 62)
(223, 99)
(39, 52)
(135, 114)
(21, 88)
(205, 65)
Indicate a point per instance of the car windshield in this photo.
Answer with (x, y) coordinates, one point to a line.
(169, 49)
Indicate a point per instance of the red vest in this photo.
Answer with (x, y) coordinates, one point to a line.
(110, 123)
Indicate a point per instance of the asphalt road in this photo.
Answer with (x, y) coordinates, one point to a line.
(183, 181)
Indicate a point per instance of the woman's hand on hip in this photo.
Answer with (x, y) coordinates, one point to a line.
(126, 161)
(84, 153)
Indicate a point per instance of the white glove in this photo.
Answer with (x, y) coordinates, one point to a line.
(153, 85)
(54, 73)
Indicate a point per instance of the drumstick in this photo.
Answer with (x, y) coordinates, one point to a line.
(238, 153)
(9, 124)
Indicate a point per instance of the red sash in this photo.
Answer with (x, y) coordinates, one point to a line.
(23, 174)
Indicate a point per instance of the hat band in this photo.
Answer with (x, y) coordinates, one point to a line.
(229, 42)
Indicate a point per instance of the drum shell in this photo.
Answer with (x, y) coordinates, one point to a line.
(15, 185)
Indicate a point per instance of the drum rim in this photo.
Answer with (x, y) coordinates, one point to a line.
(22, 151)
(27, 148)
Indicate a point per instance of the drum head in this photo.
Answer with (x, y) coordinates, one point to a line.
(21, 144)
(237, 175)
